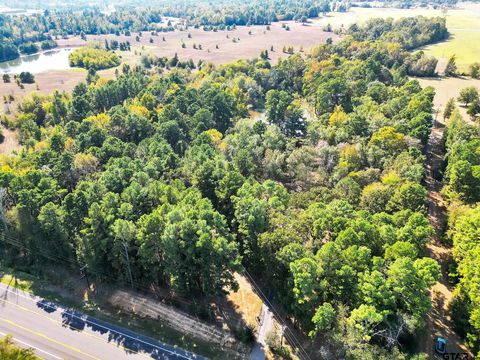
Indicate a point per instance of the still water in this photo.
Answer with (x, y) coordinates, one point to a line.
(56, 59)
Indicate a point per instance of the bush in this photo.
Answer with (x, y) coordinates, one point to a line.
(48, 44)
(26, 77)
(28, 48)
(275, 345)
(8, 350)
(245, 335)
(475, 70)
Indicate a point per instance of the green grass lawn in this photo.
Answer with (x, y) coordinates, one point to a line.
(464, 26)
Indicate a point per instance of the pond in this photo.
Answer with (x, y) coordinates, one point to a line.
(56, 59)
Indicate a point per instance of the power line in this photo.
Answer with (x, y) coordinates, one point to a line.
(296, 342)
(289, 335)
(16, 242)
(174, 298)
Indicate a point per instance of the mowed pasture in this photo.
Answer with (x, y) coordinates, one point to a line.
(219, 47)
(463, 22)
(464, 26)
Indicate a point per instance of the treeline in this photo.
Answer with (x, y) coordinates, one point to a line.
(252, 12)
(321, 197)
(411, 32)
(406, 4)
(27, 34)
(462, 191)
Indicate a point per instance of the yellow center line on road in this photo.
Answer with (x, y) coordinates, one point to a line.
(28, 310)
(49, 339)
(62, 324)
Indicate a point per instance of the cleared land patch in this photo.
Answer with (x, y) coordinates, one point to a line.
(45, 83)
(447, 88)
(244, 42)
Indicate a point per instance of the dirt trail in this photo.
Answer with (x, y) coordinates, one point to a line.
(439, 322)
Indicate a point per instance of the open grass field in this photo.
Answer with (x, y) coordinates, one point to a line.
(244, 42)
(45, 83)
(464, 26)
(462, 22)
(10, 142)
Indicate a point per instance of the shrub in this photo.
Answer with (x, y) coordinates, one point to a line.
(28, 48)
(26, 77)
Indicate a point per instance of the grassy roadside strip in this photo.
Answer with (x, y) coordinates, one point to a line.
(101, 310)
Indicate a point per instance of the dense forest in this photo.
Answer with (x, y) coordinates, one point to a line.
(321, 197)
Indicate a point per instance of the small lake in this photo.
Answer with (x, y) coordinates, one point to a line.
(56, 59)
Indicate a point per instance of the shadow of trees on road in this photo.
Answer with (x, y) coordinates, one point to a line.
(131, 342)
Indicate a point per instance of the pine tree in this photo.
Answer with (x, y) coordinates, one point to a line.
(449, 107)
(451, 68)
(475, 70)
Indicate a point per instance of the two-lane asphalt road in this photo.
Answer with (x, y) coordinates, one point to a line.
(58, 333)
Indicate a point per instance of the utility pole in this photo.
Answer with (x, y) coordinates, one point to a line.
(83, 272)
(3, 206)
(436, 111)
(282, 333)
(128, 264)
